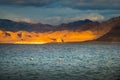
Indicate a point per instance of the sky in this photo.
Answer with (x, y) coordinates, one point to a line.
(55, 12)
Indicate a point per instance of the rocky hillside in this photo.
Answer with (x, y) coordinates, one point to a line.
(114, 34)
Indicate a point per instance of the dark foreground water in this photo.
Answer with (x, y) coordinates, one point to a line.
(60, 62)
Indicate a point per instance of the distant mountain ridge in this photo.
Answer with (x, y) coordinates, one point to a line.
(10, 25)
(82, 30)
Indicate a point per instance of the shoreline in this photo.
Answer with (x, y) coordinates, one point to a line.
(86, 42)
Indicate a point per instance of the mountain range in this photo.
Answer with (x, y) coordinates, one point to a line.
(10, 25)
(114, 34)
(78, 31)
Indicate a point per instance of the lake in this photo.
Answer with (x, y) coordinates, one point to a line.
(73, 61)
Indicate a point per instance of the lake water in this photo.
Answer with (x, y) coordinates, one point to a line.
(60, 62)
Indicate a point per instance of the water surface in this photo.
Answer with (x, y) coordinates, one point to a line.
(60, 62)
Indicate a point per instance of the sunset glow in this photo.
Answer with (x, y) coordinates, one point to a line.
(24, 37)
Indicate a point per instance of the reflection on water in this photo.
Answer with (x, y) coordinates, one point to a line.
(60, 62)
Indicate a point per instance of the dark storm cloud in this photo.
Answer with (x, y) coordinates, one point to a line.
(77, 4)
(27, 2)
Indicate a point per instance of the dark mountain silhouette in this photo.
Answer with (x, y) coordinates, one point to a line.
(9, 25)
(74, 25)
(114, 34)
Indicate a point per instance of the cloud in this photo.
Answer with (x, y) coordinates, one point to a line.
(52, 20)
(16, 18)
(77, 4)
(24, 20)
(93, 16)
(57, 20)
(54, 16)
